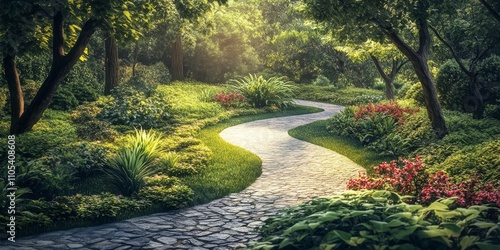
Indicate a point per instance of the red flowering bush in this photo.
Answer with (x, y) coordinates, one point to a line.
(229, 100)
(392, 109)
(411, 178)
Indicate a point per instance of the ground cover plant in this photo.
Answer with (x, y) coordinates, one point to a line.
(372, 219)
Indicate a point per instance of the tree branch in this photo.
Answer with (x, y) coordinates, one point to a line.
(493, 12)
(379, 67)
(58, 37)
(453, 53)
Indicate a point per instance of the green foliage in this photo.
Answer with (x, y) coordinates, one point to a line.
(226, 44)
(416, 93)
(137, 109)
(453, 84)
(88, 126)
(379, 220)
(3, 100)
(346, 96)
(167, 191)
(482, 160)
(322, 80)
(91, 207)
(83, 84)
(260, 92)
(134, 162)
(53, 130)
(83, 159)
(156, 73)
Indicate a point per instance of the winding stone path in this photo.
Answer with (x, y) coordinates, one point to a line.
(293, 171)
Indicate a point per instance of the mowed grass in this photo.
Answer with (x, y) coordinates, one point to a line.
(316, 133)
(232, 168)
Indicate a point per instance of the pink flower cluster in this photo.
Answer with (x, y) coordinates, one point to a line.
(393, 109)
(229, 100)
(411, 178)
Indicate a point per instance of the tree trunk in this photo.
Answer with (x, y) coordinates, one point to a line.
(15, 90)
(136, 55)
(61, 66)
(479, 105)
(111, 64)
(388, 79)
(177, 59)
(419, 62)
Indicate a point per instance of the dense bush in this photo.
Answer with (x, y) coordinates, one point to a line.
(88, 125)
(483, 159)
(3, 100)
(137, 109)
(87, 207)
(156, 73)
(453, 84)
(380, 220)
(322, 80)
(374, 126)
(416, 93)
(260, 92)
(168, 191)
(412, 178)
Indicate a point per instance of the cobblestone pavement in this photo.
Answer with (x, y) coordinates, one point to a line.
(293, 171)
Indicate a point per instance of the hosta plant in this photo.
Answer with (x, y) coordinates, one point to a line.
(380, 220)
(261, 92)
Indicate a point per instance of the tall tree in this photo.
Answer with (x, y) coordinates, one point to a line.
(379, 53)
(27, 25)
(395, 20)
(469, 35)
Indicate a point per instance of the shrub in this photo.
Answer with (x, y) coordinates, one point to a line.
(87, 207)
(365, 99)
(88, 126)
(134, 162)
(82, 158)
(167, 191)
(64, 100)
(261, 92)
(482, 160)
(3, 100)
(416, 93)
(392, 109)
(380, 220)
(207, 95)
(229, 100)
(453, 84)
(157, 73)
(136, 109)
(412, 178)
(322, 80)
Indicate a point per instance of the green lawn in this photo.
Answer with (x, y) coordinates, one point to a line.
(316, 133)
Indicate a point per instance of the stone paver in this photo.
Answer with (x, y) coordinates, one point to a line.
(293, 171)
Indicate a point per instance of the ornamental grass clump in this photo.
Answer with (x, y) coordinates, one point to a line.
(134, 161)
(261, 92)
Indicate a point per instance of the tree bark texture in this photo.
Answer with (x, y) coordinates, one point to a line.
(419, 62)
(177, 59)
(388, 79)
(61, 66)
(15, 90)
(111, 64)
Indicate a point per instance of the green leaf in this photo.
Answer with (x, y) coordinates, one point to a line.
(380, 226)
(286, 242)
(487, 246)
(403, 233)
(452, 229)
(299, 226)
(345, 236)
(483, 225)
(468, 241)
(431, 233)
(437, 206)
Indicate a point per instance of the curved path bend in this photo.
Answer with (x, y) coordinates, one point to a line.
(293, 171)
